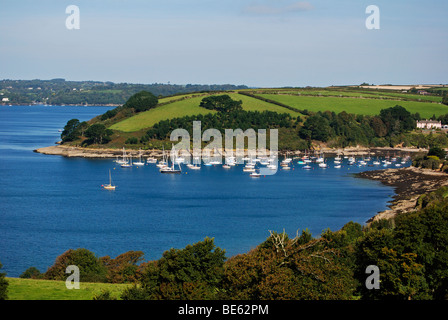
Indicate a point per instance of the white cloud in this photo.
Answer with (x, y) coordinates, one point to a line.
(263, 9)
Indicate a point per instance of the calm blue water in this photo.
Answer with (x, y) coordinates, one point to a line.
(49, 204)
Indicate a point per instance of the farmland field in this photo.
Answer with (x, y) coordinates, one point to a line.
(356, 105)
(350, 93)
(147, 119)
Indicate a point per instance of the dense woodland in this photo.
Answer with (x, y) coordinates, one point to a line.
(411, 252)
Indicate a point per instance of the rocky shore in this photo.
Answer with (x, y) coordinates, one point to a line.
(409, 184)
(70, 151)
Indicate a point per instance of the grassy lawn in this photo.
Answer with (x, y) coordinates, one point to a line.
(148, 118)
(356, 105)
(30, 289)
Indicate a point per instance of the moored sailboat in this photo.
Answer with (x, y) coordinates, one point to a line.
(109, 186)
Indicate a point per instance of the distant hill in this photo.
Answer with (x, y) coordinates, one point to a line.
(62, 92)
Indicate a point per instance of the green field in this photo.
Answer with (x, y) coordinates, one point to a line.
(147, 119)
(347, 92)
(189, 107)
(356, 105)
(30, 289)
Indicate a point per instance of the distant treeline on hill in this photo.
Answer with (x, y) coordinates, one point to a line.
(62, 92)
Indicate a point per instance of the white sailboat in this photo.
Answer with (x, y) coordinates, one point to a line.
(109, 186)
(123, 161)
(127, 164)
(196, 165)
(139, 162)
(151, 160)
(164, 162)
(171, 169)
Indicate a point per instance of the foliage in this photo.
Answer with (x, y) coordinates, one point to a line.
(132, 140)
(316, 128)
(438, 152)
(3, 285)
(445, 99)
(124, 268)
(71, 130)
(412, 256)
(222, 103)
(141, 101)
(31, 273)
(98, 134)
(194, 272)
(285, 268)
(90, 267)
(397, 120)
(222, 120)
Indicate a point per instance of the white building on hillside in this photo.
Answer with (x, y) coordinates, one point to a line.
(429, 124)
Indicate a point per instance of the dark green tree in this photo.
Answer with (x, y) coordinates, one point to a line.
(397, 120)
(71, 131)
(222, 103)
(91, 268)
(438, 152)
(315, 127)
(142, 101)
(3, 285)
(98, 133)
(31, 273)
(194, 272)
(445, 99)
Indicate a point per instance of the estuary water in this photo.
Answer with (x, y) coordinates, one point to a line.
(49, 204)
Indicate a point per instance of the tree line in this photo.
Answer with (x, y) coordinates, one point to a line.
(62, 92)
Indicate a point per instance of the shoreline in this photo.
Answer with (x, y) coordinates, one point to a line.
(409, 184)
(81, 152)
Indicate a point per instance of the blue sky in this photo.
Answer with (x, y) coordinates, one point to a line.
(267, 43)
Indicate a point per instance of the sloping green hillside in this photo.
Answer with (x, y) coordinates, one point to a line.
(188, 107)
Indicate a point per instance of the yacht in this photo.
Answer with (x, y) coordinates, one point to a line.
(255, 175)
(151, 160)
(139, 162)
(172, 169)
(109, 186)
